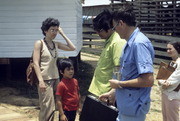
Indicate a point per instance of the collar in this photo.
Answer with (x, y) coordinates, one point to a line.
(110, 38)
(64, 79)
(132, 37)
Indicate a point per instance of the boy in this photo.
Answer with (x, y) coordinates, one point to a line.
(67, 92)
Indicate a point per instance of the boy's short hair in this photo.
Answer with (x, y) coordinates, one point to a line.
(46, 24)
(64, 63)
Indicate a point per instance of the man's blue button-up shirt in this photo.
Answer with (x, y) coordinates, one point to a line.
(137, 58)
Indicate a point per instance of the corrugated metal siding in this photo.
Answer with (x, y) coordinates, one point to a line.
(79, 25)
(20, 22)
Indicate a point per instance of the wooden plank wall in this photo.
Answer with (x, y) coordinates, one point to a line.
(159, 43)
(20, 24)
(89, 40)
(158, 19)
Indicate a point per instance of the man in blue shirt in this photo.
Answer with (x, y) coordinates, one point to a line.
(133, 89)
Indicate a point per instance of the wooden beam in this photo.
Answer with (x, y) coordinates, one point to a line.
(93, 43)
(163, 38)
(158, 61)
(89, 36)
(91, 50)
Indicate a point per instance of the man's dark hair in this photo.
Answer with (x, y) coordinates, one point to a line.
(64, 63)
(126, 14)
(103, 21)
(46, 24)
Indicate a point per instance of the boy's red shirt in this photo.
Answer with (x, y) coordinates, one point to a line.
(68, 89)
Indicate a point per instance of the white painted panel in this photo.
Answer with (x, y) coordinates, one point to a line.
(79, 25)
(32, 37)
(35, 13)
(30, 31)
(47, 7)
(26, 54)
(34, 25)
(36, 2)
(21, 54)
(15, 49)
(33, 19)
(20, 22)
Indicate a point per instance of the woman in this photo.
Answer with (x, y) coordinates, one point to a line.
(170, 87)
(44, 57)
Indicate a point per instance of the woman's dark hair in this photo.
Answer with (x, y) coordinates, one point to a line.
(126, 14)
(46, 24)
(103, 21)
(64, 63)
(176, 45)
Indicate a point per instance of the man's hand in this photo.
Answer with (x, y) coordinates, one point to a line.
(104, 97)
(114, 83)
(108, 97)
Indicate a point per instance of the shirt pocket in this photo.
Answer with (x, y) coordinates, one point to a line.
(128, 69)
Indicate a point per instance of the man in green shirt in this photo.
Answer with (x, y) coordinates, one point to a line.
(110, 55)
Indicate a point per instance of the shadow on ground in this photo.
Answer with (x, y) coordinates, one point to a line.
(84, 76)
(19, 93)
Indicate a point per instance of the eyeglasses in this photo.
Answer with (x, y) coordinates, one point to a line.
(99, 30)
(115, 26)
(54, 30)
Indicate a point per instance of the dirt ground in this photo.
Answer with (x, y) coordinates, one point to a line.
(25, 101)
(13, 99)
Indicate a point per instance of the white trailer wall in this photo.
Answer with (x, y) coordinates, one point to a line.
(20, 23)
